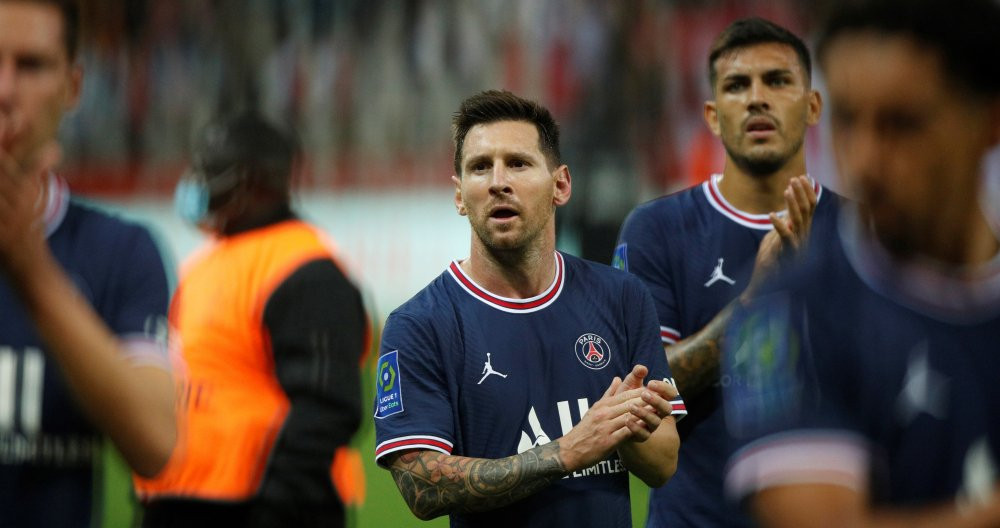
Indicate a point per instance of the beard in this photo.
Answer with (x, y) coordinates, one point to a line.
(763, 163)
(894, 233)
(496, 243)
(512, 238)
(758, 165)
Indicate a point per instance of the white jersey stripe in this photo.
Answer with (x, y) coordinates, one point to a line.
(817, 457)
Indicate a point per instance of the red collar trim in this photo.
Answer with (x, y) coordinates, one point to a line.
(512, 305)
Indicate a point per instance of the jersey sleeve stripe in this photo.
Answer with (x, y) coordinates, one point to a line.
(413, 442)
(798, 457)
(678, 408)
(142, 351)
(669, 335)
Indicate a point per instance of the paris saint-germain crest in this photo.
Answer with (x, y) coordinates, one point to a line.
(592, 351)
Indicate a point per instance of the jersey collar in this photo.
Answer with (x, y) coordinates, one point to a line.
(751, 220)
(505, 304)
(928, 288)
(56, 203)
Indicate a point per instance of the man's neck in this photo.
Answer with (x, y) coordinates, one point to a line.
(515, 274)
(756, 193)
(249, 222)
(967, 244)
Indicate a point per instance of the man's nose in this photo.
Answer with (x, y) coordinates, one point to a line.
(861, 157)
(7, 80)
(758, 96)
(500, 179)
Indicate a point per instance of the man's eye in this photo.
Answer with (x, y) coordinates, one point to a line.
(30, 64)
(733, 87)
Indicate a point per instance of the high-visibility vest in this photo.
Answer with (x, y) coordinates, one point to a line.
(231, 406)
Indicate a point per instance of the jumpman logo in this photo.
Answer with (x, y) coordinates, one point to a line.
(718, 275)
(488, 369)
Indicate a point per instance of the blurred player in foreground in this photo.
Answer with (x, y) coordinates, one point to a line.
(864, 387)
(83, 299)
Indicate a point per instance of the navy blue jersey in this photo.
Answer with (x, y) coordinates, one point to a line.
(468, 373)
(859, 372)
(48, 450)
(696, 252)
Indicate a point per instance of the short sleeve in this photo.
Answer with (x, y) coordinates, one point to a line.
(641, 317)
(140, 295)
(786, 402)
(642, 251)
(412, 408)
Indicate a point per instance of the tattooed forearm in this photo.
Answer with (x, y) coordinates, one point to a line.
(694, 361)
(436, 484)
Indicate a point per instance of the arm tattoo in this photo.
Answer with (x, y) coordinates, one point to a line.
(694, 361)
(435, 484)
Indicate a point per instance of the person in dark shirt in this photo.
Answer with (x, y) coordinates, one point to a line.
(271, 331)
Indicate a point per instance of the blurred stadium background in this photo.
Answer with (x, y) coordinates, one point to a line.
(370, 87)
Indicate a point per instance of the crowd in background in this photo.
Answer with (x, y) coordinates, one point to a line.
(369, 86)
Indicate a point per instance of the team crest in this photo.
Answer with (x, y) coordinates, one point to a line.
(592, 351)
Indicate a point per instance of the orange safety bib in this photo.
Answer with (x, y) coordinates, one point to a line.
(231, 406)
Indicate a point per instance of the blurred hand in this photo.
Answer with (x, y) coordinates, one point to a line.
(22, 205)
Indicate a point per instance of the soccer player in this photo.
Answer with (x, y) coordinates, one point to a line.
(83, 299)
(272, 332)
(500, 399)
(868, 391)
(703, 250)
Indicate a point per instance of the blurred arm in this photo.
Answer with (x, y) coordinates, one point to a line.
(826, 505)
(133, 404)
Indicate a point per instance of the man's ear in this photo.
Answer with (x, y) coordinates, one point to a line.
(995, 122)
(563, 183)
(815, 107)
(459, 202)
(74, 87)
(711, 115)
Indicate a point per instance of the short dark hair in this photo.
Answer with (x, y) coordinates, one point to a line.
(747, 32)
(248, 141)
(70, 11)
(965, 32)
(500, 105)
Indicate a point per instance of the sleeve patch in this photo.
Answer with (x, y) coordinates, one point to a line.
(388, 389)
(620, 258)
(761, 376)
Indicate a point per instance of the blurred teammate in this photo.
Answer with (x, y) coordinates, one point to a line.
(271, 332)
(83, 299)
(499, 400)
(705, 249)
(868, 393)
